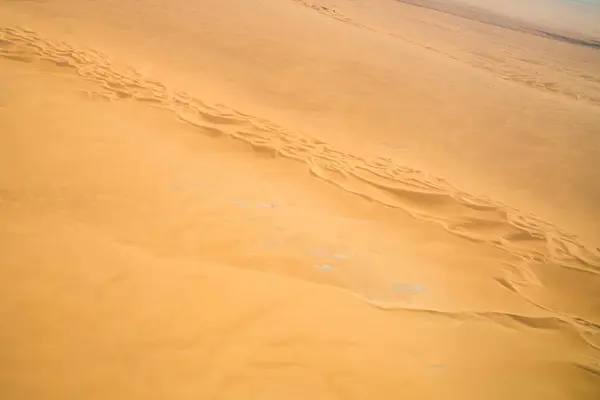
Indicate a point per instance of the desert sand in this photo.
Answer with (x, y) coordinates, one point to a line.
(299, 199)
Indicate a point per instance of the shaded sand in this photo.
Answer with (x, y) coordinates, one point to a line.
(297, 199)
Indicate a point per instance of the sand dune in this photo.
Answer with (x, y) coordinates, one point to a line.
(325, 199)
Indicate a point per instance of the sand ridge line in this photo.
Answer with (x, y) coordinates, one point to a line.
(585, 324)
(381, 180)
(472, 218)
(581, 327)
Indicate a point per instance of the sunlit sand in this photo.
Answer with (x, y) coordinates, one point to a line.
(299, 199)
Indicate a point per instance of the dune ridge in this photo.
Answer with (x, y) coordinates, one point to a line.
(382, 180)
(584, 329)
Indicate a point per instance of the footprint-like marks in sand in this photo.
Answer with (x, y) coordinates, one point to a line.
(327, 11)
(380, 180)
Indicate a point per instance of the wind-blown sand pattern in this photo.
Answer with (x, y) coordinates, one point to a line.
(512, 67)
(158, 242)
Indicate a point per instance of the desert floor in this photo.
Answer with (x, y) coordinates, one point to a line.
(299, 199)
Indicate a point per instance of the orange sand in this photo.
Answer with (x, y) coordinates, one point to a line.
(299, 199)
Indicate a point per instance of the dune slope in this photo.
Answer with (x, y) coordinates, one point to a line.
(297, 199)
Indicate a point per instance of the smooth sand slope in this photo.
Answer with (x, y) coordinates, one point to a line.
(298, 199)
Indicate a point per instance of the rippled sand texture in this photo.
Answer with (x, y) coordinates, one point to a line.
(299, 199)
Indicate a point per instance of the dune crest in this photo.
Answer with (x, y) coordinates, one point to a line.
(428, 198)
